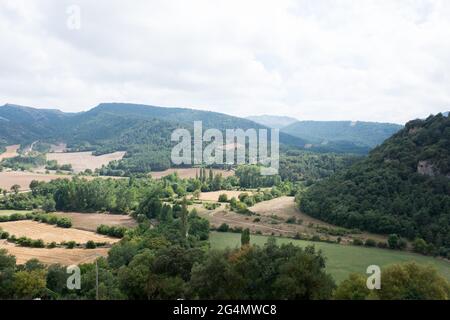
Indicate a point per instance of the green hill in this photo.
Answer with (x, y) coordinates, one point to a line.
(403, 187)
(362, 134)
(143, 131)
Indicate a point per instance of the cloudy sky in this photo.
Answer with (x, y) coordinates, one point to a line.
(380, 60)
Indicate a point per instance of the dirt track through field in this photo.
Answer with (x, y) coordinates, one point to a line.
(35, 230)
(52, 256)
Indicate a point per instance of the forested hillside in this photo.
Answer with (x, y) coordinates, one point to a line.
(403, 187)
(362, 134)
(142, 131)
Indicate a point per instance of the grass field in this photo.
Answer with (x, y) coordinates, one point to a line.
(9, 212)
(341, 260)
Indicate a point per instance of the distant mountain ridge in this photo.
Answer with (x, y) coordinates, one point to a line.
(363, 134)
(271, 121)
(143, 131)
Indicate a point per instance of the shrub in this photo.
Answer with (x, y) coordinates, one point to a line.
(223, 228)
(51, 245)
(357, 242)
(70, 244)
(116, 232)
(64, 223)
(291, 220)
(223, 198)
(91, 245)
(370, 243)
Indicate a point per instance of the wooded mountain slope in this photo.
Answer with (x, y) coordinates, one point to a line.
(403, 187)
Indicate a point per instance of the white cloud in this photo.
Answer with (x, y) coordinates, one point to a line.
(380, 60)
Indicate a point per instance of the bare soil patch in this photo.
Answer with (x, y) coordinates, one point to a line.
(48, 233)
(186, 173)
(81, 161)
(11, 152)
(90, 221)
(51, 256)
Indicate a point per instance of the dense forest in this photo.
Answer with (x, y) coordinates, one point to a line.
(403, 187)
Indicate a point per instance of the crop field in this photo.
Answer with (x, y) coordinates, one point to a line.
(23, 179)
(81, 161)
(90, 221)
(187, 173)
(341, 260)
(49, 233)
(11, 152)
(272, 218)
(57, 255)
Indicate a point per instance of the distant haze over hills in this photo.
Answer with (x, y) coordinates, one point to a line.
(276, 122)
(369, 134)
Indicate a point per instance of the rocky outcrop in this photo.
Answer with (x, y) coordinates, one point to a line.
(427, 168)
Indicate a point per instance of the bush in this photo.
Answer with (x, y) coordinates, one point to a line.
(370, 243)
(51, 245)
(64, 223)
(223, 228)
(4, 235)
(223, 198)
(70, 244)
(91, 245)
(358, 242)
(291, 220)
(116, 232)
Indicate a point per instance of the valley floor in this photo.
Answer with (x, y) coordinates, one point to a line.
(340, 260)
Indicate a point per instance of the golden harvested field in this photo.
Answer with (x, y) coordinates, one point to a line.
(57, 255)
(23, 179)
(90, 221)
(81, 161)
(214, 196)
(35, 230)
(11, 152)
(188, 173)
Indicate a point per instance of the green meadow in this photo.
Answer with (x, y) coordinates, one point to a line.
(341, 259)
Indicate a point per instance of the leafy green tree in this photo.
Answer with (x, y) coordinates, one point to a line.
(29, 284)
(49, 205)
(352, 288)
(245, 237)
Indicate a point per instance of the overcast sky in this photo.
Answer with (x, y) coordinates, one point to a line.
(380, 60)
